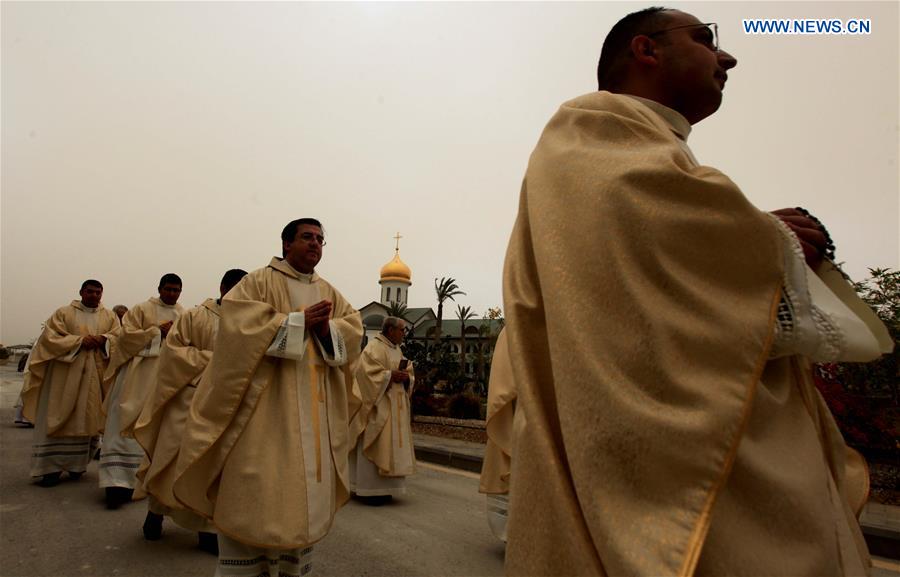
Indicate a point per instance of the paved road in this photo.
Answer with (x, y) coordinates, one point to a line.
(439, 528)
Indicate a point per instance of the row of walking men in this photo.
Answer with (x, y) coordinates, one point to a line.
(252, 416)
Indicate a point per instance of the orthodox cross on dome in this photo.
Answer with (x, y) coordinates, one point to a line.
(397, 246)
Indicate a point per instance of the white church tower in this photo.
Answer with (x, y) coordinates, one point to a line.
(396, 278)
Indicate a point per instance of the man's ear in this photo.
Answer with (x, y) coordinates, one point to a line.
(643, 49)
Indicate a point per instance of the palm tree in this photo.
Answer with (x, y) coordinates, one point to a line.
(463, 314)
(396, 309)
(445, 289)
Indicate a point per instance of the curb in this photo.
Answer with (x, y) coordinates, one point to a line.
(448, 459)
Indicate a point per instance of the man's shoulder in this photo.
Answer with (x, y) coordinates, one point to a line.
(602, 112)
(376, 344)
(261, 276)
(603, 101)
(144, 305)
(64, 315)
(597, 128)
(66, 309)
(207, 309)
(141, 315)
(376, 350)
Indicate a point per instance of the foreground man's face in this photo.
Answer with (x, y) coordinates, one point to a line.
(90, 296)
(169, 293)
(694, 70)
(305, 251)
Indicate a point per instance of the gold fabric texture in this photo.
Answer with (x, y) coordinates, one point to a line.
(241, 461)
(76, 394)
(140, 325)
(652, 437)
(385, 421)
(500, 411)
(188, 350)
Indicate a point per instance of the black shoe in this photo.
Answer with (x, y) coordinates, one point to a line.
(153, 526)
(376, 500)
(75, 475)
(116, 496)
(209, 542)
(49, 480)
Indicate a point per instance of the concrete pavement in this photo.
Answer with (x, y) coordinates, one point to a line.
(438, 528)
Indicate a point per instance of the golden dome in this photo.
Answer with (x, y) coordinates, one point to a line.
(396, 270)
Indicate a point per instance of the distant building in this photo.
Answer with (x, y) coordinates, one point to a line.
(395, 281)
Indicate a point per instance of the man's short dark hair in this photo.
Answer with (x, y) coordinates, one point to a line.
(617, 45)
(290, 231)
(91, 282)
(232, 277)
(169, 278)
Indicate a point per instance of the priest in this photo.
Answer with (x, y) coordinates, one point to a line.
(384, 455)
(62, 394)
(131, 374)
(662, 329)
(264, 454)
(188, 350)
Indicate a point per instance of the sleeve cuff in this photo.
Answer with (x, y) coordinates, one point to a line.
(152, 348)
(337, 345)
(290, 340)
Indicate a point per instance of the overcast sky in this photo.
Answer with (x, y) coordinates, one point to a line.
(145, 138)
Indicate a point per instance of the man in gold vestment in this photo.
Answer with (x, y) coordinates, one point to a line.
(131, 374)
(188, 350)
(63, 393)
(384, 454)
(660, 328)
(264, 453)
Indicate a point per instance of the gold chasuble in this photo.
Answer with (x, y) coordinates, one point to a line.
(387, 439)
(653, 435)
(134, 359)
(188, 350)
(69, 377)
(264, 454)
(500, 411)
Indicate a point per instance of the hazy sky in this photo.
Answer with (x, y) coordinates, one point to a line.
(144, 138)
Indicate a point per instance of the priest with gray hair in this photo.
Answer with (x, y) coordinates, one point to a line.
(384, 455)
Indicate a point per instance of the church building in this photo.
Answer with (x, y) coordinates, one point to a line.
(394, 284)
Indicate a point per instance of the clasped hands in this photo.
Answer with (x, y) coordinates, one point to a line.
(164, 328)
(91, 342)
(399, 377)
(810, 234)
(316, 318)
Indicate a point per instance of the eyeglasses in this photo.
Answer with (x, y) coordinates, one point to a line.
(309, 237)
(712, 28)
